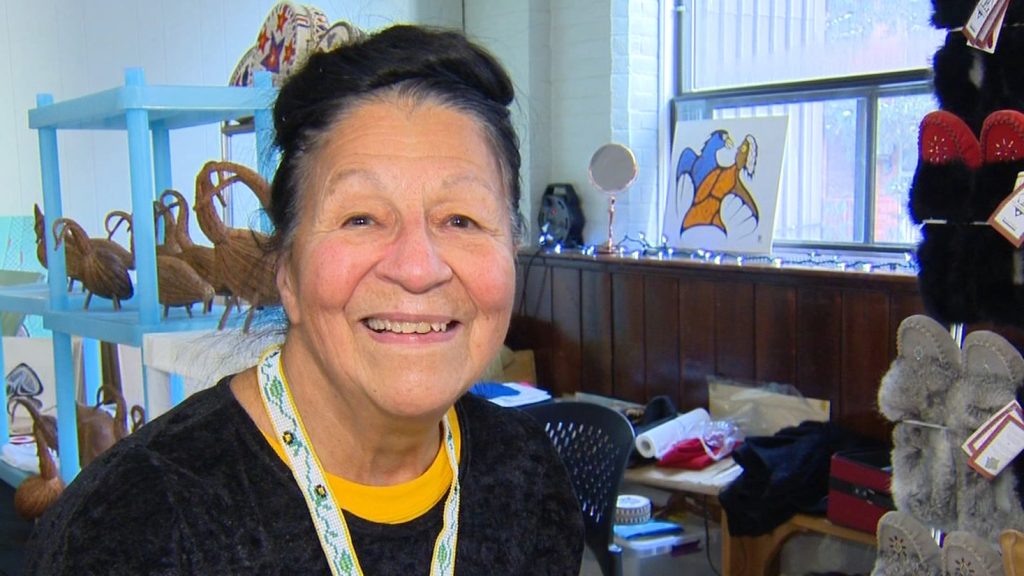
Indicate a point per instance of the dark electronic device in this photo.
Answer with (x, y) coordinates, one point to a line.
(561, 214)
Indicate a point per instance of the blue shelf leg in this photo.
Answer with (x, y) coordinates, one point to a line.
(161, 164)
(146, 405)
(67, 419)
(50, 178)
(143, 231)
(64, 371)
(5, 427)
(92, 372)
(177, 389)
(266, 155)
(161, 157)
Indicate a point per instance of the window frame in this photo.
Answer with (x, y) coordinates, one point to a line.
(865, 89)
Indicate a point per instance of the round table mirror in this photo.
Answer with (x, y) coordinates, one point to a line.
(613, 169)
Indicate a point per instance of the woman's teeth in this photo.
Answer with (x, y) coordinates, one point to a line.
(381, 325)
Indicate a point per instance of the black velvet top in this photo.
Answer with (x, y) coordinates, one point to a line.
(199, 491)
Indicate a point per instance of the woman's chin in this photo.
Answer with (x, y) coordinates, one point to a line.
(420, 402)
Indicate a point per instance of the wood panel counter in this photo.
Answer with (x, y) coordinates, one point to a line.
(639, 328)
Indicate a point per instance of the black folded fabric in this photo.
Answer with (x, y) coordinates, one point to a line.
(784, 474)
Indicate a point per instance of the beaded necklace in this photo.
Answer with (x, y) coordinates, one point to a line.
(328, 519)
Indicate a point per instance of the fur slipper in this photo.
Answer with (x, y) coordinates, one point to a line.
(1002, 148)
(924, 477)
(1002, 151)
(927, 365)
(959, 73)
(992, 373)
(988, 260)
(916, 387)
(946, 273)
(1002, 83)
(964, 554)
(905, 548)
(948, 155)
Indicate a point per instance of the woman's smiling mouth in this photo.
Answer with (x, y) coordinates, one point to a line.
(382, 325)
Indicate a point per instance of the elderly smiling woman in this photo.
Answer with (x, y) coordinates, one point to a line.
(353, 447)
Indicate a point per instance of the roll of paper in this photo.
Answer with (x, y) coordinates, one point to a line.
(658, 440)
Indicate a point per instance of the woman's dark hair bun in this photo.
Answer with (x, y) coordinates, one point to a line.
(437, 58)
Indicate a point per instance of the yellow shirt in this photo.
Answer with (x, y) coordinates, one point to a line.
(398, 503)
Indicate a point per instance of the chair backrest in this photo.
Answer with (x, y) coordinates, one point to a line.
(594, 442)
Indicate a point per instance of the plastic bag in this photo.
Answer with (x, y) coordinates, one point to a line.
(762, 410)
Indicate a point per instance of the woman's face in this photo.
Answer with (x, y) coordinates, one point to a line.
(399, 282)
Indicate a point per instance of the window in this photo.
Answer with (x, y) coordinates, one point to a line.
(854, 78)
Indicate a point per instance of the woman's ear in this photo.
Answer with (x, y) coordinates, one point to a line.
(286, 288)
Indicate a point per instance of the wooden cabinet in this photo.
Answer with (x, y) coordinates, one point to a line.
(636, 329)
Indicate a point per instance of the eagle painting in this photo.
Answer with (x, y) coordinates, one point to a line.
(718, 180)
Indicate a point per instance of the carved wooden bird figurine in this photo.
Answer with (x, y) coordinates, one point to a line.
(97, 429)
(71, 256)
(102, 270)
(178, 284)
(164, 216)
(201, 258)
(242, 260)
(125, 254)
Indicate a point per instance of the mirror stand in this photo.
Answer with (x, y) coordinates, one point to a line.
(609, 246)
(613, 169)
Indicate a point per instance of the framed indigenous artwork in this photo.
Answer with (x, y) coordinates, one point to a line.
(724, 184)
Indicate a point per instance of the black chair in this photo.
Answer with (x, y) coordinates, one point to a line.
(594, 442)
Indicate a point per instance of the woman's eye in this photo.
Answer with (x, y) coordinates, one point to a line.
(460, 221)
(360, 220)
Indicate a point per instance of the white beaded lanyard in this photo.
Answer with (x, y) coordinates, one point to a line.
(309, 474)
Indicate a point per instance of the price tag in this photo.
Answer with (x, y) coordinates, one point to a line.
(973, 443)
(997, 442)
(1008, 219)
(983, 27)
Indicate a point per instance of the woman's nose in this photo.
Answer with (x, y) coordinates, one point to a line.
(414, 260)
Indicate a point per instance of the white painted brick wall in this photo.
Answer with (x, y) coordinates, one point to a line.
(640, 98)
(586, 72)
(70, 48)
(581, 99)
(599, 85)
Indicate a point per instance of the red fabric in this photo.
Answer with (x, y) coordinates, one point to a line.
(688, 455)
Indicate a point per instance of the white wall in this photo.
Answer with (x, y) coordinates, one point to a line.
(518, 34)
(586, 72)
(69, 48)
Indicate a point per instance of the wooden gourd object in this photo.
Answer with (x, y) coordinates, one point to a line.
(201, 258)
(138, 416)
(72, 259)
(164, 216)
(38, 492)
(102, 271)
(177, 283)
(97, 429)
(242, 260)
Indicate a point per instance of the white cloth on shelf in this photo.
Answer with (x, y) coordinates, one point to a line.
(20, 453)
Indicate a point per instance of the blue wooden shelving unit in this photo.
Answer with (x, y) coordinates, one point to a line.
(147, 114)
